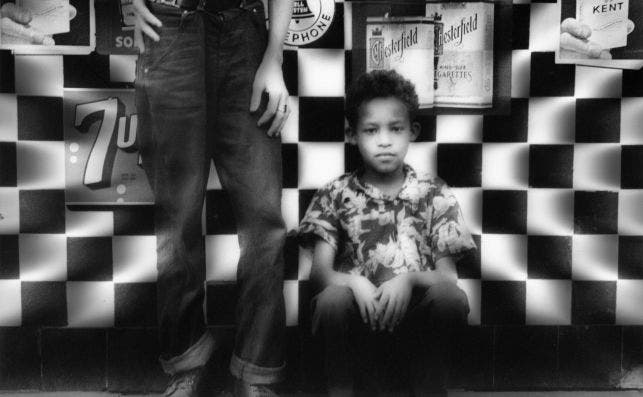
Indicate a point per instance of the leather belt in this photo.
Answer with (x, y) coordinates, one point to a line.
(210, 5)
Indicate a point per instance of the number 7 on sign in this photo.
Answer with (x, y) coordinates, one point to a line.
(109, 113)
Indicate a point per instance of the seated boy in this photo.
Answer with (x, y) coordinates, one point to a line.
(385, 244)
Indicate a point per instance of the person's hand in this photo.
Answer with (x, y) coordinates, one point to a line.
(144, 18)
(269, 79)
(364, 293)
(394, 296)
(15, 22)
(575, 43)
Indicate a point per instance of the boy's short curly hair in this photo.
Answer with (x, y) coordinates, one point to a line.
(379, 84)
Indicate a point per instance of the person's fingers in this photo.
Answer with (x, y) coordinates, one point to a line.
(381, 305)
(385, 309)
(143, 12)
(397, 314)
(12, 28)
(371, 315)
(589, 48)
(605, 55)
(575, 28)
(376, 308)
(388, 314)
(138, 39)
(72, 12)
(362, 311)
(384, 299)
(15, 13)
(401, 312)
(255, 99)
(147, 29)
(279, 115)
(37, 37)
(151, 19)
(630, 26)
(281, 126)
(48, 40)
(271, 108)
(391, 321)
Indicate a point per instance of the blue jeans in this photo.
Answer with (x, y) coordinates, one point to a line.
(193, 91)
(417, 351)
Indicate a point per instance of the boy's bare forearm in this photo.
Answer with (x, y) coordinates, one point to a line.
(445, 271)
(325, 276)
(280, 13)
(322, 271)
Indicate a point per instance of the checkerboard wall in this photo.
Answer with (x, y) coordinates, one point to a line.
(553, 192)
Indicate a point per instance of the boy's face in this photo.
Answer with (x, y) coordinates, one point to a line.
(383, 133)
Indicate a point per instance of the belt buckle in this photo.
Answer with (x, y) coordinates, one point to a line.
(171, 3)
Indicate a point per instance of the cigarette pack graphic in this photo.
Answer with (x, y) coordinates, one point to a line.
(607, 19)
(56, 27)
(465, 67)
(49, 16)
(405, 44)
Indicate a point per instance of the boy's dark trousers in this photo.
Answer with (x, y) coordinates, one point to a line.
(193, 91)
(416, 352)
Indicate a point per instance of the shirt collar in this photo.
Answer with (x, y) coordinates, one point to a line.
(410, 188)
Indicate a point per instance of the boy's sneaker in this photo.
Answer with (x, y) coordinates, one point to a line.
(184, 384)
(243, 389)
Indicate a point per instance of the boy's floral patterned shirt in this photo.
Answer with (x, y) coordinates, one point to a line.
(380, 237)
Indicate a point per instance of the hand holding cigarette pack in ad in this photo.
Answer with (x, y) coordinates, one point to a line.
(49, 16)
(577, 40)
(34, 21)
(597, 29)
(14, 27)
(607, 20)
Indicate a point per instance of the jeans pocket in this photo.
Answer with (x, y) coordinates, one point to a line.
(157, 51)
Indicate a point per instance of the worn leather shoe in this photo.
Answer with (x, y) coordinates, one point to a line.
(243, 389)
(185, 384)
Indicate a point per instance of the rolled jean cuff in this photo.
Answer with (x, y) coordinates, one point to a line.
(254, 374)
(195, 356)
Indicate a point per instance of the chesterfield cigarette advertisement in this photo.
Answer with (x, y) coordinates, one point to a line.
(465, 66)
(406, 45)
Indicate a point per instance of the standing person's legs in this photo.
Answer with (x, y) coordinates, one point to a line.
(431, 326)
(248, 163)
(170, 100)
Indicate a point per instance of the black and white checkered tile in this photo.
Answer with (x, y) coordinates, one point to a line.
(553, 192)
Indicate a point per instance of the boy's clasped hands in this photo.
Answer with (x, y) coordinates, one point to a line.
(382, 307)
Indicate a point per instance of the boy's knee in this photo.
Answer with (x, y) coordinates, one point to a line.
(448, 301)
(334, 305)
